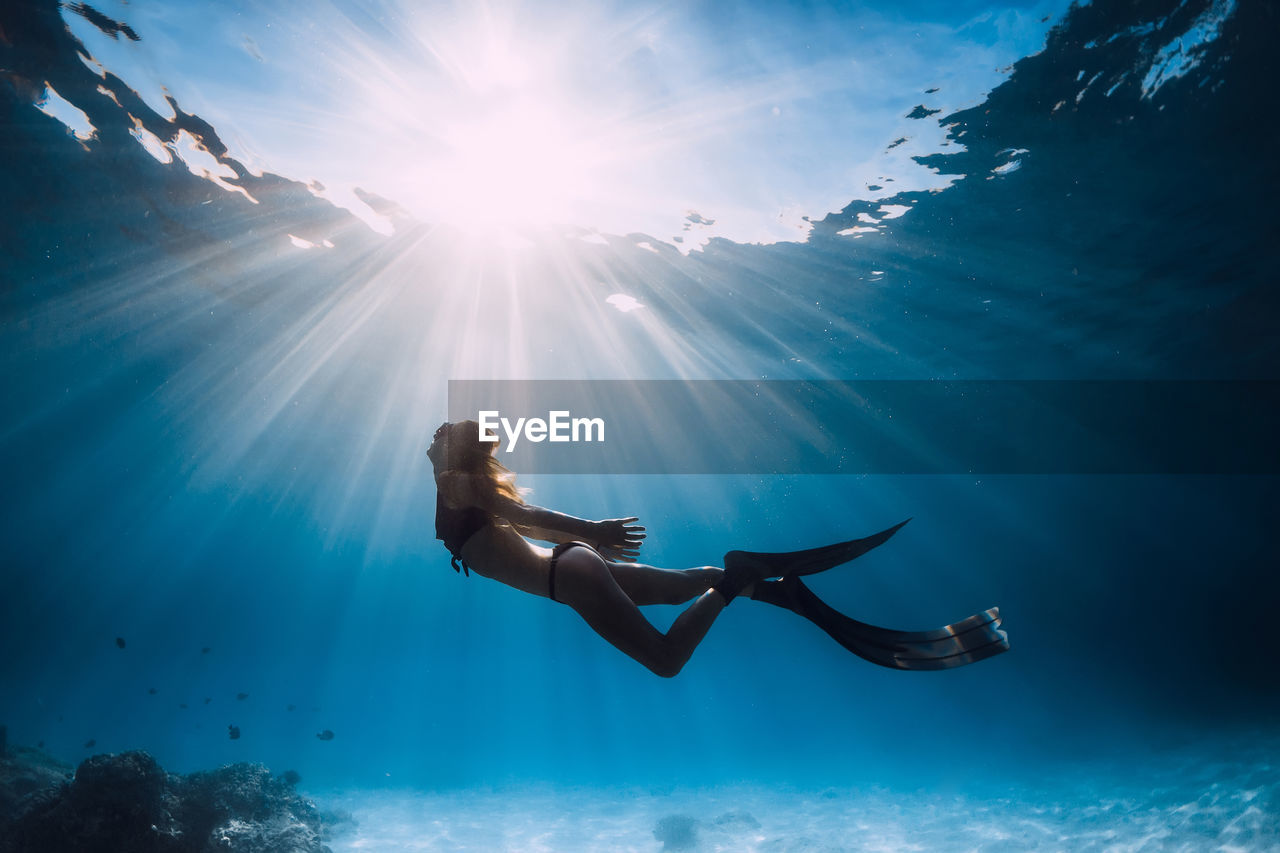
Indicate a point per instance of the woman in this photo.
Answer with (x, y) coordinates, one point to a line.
(486, 526)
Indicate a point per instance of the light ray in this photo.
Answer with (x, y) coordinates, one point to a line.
(611, 116)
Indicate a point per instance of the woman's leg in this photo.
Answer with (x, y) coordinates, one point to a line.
(586, 582)
(650, 585)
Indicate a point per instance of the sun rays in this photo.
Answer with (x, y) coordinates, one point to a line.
(502, 118)
(513, 145)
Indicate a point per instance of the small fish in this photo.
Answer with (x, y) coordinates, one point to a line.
(233, 732)
(182, 705)
(40, 745)
(242, 696)
(205, 650)
(325, 735)
(292, 708)
(208, 699)
(90, 743)
(120, 642)
(152, 691)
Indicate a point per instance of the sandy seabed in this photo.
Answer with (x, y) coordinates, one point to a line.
(1184, 805)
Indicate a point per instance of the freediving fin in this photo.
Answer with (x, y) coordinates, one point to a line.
(795, 563)
(970, 640)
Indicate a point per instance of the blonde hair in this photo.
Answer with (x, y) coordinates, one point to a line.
(467, 454)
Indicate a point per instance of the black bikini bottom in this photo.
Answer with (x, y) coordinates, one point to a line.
(555, 556)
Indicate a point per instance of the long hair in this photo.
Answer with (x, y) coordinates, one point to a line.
(467, 454)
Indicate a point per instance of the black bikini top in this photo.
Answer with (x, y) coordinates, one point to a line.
(455, 526)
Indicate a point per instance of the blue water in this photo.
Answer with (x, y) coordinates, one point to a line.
(212, 444)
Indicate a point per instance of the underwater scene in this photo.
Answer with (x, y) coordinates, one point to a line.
(1006, 270)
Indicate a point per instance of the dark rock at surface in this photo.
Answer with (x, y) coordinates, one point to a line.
(127, 802)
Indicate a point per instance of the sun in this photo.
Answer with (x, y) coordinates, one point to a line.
(501, 121)
(515, 161)
(504, 136)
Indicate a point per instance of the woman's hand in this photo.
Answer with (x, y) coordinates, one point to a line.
(618, 539)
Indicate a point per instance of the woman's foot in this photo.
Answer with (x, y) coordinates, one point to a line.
(741, 572)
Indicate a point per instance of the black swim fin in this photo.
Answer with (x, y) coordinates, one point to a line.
(794, 563)
(967, 641)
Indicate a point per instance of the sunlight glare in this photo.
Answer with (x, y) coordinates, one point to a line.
(515, 164)
(509, 116)
(508, 145)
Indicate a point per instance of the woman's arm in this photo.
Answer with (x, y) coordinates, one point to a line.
(542, 534)
(562, 526)
(617, 535)
(627, 551)
(616, 538)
